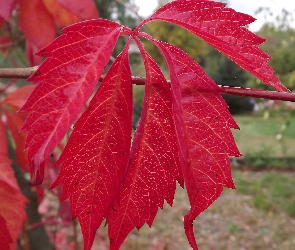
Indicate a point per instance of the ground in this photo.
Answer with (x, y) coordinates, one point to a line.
(233, 222)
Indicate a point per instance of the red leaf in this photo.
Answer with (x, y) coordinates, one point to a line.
(34, 20)
(5, 41)
(18, 97)
(65, 81)
(12, 207)
(66, 12)
(1, 21)
(85, 9)
(31, 50)
(203, 128)
(39, 16)
(4, 147)
(14, 120)
(95, 157)
(222, 28)
(61, 15)
(153, 165)
(6, 8)
(5, 238)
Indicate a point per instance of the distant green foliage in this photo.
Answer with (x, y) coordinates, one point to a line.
(225, 72)
(280, 46)
(180, 37)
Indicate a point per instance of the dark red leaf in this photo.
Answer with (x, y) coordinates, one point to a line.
(153, 165)
(5, 41)
(6, 8)
(222, 28)
(37, 17)
(65, 81)
(95, 158)
(5, 238)
(12, 207)
(14, 120)
(1, 21)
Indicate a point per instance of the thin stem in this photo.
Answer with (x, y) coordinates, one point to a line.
(24, 73)
(257, 93)
(37, 224)
(11, 60)
(10, 44)
(20, 73)
(12, 81)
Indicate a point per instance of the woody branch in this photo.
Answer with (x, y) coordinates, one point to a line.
(24, 73)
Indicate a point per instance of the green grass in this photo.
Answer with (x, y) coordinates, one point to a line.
(257, 124)
(271, 193)
(266, 138)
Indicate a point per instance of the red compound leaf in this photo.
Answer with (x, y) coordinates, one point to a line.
(184, 133)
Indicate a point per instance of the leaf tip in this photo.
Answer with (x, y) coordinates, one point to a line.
(37, 172)
(189, 231)
(37, 177)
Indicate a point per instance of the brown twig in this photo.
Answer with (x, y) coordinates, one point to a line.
(24, 73)
(20, 73)
(257, 93)
(40, 223)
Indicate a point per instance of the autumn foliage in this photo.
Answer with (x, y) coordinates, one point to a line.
(184, 135)
(37, 16)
